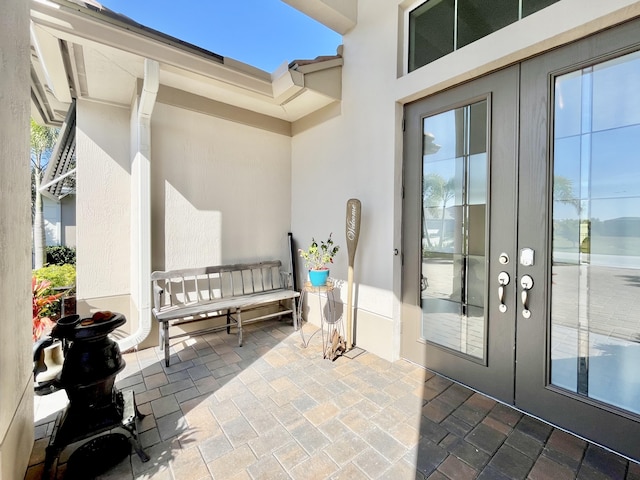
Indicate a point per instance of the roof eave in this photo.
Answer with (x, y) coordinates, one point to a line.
(70, 24)
(338, 15)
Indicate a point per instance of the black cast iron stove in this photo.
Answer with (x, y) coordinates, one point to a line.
(91, 362)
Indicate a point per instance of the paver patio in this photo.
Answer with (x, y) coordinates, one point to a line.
(273, 409)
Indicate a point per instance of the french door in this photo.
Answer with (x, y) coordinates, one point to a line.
(521, 236)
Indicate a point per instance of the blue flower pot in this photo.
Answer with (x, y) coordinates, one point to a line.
(318, 278)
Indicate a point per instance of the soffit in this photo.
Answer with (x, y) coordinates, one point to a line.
(110, 75)
(339, 15)
(103, 59)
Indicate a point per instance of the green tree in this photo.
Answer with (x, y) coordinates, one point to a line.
(43, 140)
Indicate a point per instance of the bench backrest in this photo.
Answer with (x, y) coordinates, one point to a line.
(196, 285)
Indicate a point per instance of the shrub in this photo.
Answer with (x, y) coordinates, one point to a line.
(61, 255)
(45, 282)
(57, 275)
(44, 305)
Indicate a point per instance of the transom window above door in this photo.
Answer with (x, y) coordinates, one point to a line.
(439, 27)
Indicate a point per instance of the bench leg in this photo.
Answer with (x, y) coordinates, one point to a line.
(228, 322)
(239, 320)
(295, 314)
(165, 328)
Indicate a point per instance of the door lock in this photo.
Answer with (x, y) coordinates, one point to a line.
(527, 256)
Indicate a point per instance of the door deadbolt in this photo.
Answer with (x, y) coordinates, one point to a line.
(527, 257)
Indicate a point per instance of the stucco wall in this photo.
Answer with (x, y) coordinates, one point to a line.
(353, 156)
(358, 153)
(220, 194)
(16, 388)
(220, 191)
(102, 205)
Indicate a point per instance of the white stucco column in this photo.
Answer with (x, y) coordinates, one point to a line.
(16, 362)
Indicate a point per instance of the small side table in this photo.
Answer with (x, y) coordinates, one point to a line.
(331, 328)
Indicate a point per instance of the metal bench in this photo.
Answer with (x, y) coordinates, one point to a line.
(197, 294)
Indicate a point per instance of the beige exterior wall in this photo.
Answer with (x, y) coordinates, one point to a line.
(354, 156)
(103, 209)
(358, 153)
(16, 388)
(220, 191)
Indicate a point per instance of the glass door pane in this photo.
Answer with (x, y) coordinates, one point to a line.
(454, 202)
(595, 329)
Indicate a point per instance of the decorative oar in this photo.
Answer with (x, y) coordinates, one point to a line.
(353, 234)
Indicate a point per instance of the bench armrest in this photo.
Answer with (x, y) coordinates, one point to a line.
(158, 292)
(287, 280)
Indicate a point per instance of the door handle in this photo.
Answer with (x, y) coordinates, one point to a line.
(526, 282)
(503, 281)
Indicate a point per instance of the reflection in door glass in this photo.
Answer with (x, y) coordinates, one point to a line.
(595, 330)
(454, 197)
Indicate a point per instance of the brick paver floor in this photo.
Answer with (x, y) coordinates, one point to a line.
(273, 409)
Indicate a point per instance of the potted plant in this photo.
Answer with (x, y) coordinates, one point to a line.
(316, 259)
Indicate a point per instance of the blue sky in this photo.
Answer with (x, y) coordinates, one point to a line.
(262, 33)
